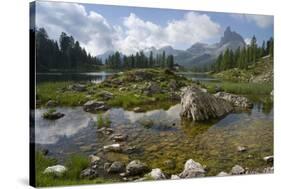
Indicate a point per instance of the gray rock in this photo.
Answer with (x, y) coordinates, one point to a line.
(199, 106)
(52, 115)
(268, 170)
(89, 173)
(138, 109)
(105, 131)
(268, 159)
(223, 174)
(106, 166)
(79, 87)
(153, 88)
(116, 167)
(112, 148)
(175, 177)
(105, 95)
(51, 103)
(57, 170)
(94, 159)
(172, 85)
(156, 174)
(235, 100)
(237, 170)
(241, 149)
(95, 106)
(119, 137)
(136, 167)
(192, 169)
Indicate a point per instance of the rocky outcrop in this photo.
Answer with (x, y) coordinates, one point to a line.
(235, 100)
(57, 170)
(192, 169)
(95, 106)
(136, 167)
(156, 174)
(199, 106)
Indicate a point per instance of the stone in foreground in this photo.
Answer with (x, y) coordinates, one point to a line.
(57, 170)
(156, 174)
(136, 167)
(237, 170)
(197, 105)
(192, 169)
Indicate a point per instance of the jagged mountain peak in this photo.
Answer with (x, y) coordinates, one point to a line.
(231, 36)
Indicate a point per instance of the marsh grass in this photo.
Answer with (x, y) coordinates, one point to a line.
(103, 121)
(75, 164)
(240, 88)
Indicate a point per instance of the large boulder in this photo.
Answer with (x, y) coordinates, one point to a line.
(95, 106)
(136, 167)
(156, 174)
(57, 170)
(192, 169)
(199, 106)
(235, 100)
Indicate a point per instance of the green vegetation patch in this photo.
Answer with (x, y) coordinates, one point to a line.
(75, 164)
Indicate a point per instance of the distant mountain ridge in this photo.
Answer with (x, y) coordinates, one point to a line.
(199, 54)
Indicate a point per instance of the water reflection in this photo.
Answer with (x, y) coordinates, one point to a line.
(94, 77)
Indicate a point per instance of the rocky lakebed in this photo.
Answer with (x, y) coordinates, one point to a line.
(121, 125)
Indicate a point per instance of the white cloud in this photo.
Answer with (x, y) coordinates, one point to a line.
(247, 41)
(261, 21)
(94, 32)
(91, 30)
(192, 28)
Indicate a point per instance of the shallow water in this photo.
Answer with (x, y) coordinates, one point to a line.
(213, 143)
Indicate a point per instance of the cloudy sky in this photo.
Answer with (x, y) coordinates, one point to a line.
(100, 28)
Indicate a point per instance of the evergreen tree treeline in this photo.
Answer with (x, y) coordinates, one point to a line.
(242, 58)
(67, 55)
(139, 60)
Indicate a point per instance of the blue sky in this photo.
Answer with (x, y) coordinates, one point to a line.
(100, 28)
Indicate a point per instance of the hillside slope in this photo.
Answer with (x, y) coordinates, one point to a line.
(261, 72)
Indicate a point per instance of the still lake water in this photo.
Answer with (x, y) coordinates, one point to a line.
(212, 143)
